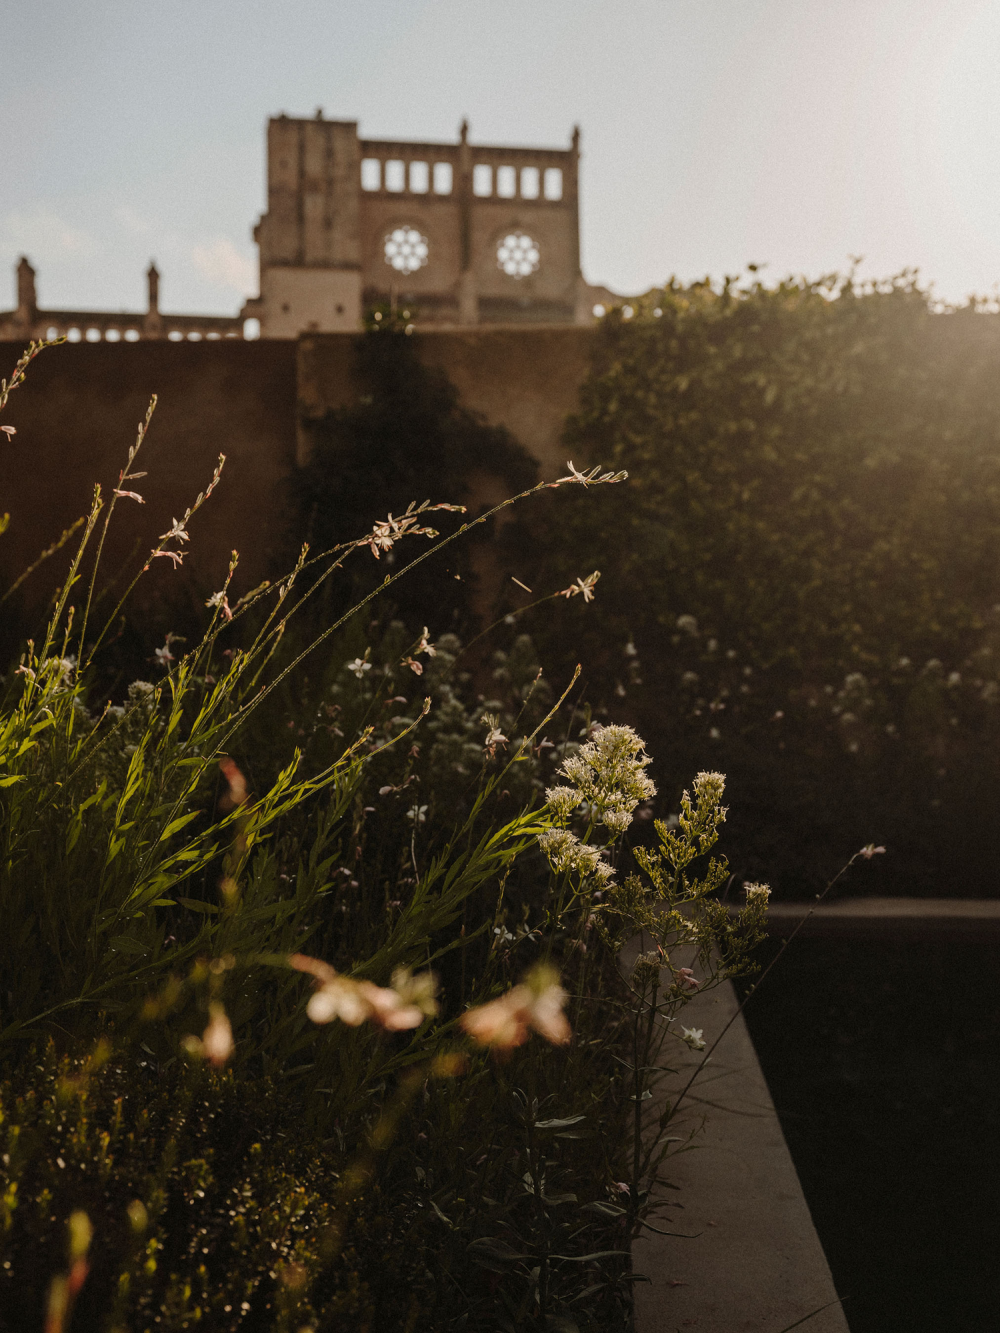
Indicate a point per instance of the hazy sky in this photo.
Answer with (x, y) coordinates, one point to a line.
(791, 133)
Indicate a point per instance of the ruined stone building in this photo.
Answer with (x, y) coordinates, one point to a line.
(26, 320)
(459, 233)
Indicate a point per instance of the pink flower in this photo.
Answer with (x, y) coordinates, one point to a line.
(217, 1039)
(130, 495)
(176, 556)
(687, 978)
(870, 851)
(396, 1009)
(507, 1022)
(237, 793)
(8, 431)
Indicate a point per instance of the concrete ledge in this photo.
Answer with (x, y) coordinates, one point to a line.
(889, 918)
(756, 1265)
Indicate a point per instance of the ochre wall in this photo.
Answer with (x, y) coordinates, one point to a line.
(76, 417)
(527, 379)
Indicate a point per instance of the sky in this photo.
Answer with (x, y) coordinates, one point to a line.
(793, 134)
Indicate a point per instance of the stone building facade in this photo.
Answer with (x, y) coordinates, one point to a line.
(27, 321)
(461, 234)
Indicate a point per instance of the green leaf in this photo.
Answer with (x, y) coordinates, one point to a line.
(491, 1250)
(589, 1258)
(196, 905)
(176, 825)
(125, 944)
(559, 1124)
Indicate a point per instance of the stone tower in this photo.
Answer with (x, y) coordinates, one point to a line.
(463, 234)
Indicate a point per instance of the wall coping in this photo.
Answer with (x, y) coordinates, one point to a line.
(755, 1263)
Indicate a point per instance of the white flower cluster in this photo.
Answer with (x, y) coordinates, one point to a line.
(608, 773)
(566, 852)
(562, 801)
(709, 787)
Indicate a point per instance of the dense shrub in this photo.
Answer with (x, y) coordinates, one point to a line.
(800, 580)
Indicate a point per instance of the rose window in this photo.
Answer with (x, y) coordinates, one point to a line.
(517, 254)
(406, 250)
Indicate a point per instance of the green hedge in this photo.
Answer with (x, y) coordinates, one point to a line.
(801, 581)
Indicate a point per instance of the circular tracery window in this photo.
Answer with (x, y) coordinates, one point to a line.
(406, 250)
(517, 254)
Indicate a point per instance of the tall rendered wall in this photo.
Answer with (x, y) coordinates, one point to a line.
(526, 379)
(76, 417)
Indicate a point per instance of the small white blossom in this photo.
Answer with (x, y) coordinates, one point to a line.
(494, 735)
(695, 1038)
(585, 586)
(177, 530)
(425, 645)
(220, 600)
(359, 666)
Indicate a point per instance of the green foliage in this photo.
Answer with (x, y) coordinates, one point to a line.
(800, 579)
(840, 454)
(173, 864)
